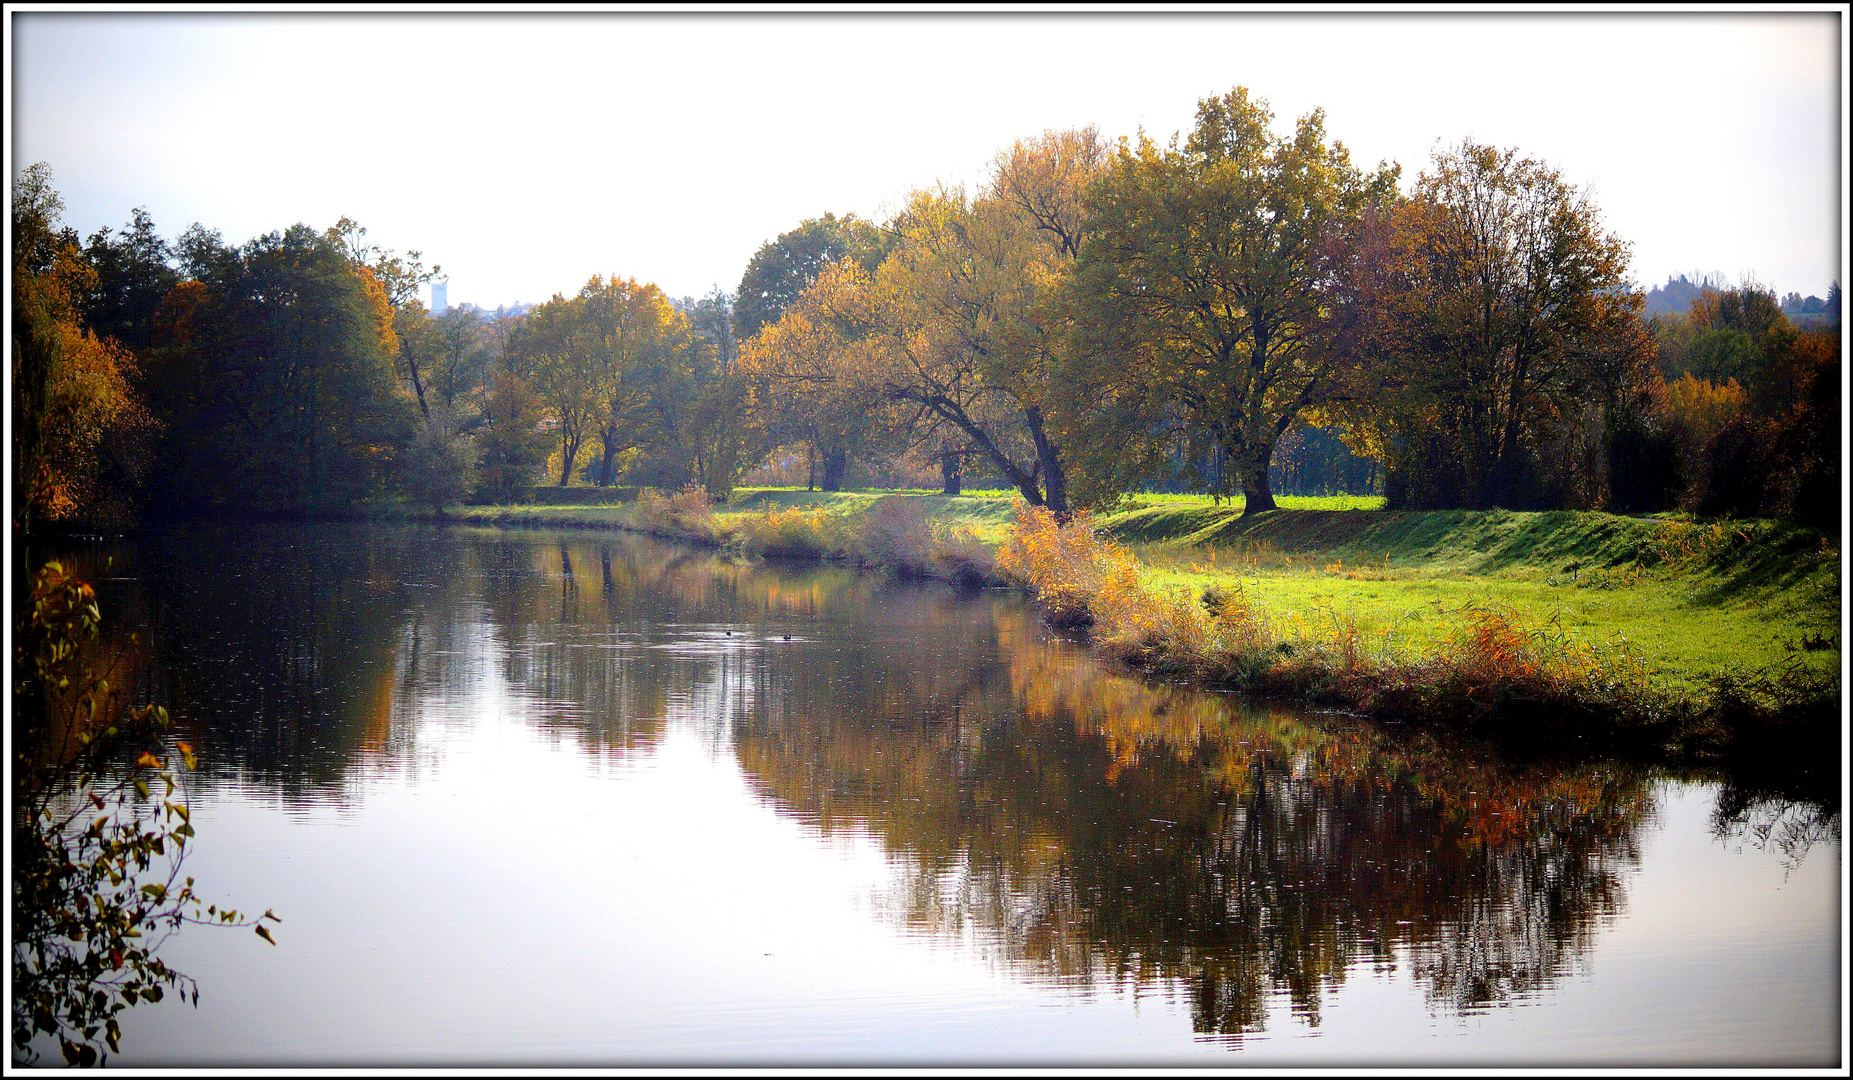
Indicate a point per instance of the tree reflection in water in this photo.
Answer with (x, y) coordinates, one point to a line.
(1102, 831)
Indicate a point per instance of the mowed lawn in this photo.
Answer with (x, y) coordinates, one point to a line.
(1765, 597)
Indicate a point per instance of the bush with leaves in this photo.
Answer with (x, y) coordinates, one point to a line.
(440, 463)
(100, 827)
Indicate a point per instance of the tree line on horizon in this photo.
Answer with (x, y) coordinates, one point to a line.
(1212, 314)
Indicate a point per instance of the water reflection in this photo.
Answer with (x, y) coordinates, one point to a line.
(1102, 831)
(1772, 820)
(1084, 830)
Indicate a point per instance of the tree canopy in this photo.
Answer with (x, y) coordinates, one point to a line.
(1203, 295)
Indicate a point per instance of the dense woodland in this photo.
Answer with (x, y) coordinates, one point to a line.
(1231, 311)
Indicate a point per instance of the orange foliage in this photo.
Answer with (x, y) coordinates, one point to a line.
(89, 397)
(380, 305)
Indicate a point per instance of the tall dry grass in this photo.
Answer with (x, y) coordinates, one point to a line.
(687, 515)
(793, 534)
(893, 532)
(1081, 578)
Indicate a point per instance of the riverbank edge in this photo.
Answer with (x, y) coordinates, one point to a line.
(1777, 723)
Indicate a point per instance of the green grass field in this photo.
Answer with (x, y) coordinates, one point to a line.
(1758, 595)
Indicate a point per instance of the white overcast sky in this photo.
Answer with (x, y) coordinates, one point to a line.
(525, 152)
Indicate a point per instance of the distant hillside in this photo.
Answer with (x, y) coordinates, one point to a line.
(1677, 295)
(1811, 310)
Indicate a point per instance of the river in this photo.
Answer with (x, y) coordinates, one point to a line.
(580, 799)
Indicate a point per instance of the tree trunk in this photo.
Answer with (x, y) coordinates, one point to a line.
(1028, 484)
(601, 477)
(1054, 477)
(418, 385)
(606, 474)
(569, 450)
(1252, 471)
(836, 463)
(951, 470)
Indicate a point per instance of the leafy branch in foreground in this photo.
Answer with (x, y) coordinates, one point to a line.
(100, 827)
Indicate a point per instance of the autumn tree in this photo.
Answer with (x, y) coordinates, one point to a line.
(401, 277)
(81, 428)
(1777, 452)
(134, 273)
(811, 368)
(541, 351)
(1203, 294)
(784, 267)
(616, 363)
(512, 440)
(440, 462)
(638, 344)
(778, 274)
(987, 281)
(1723, 335)
(1503, 329)
(721, 432)
(282, 394)
(958, 326)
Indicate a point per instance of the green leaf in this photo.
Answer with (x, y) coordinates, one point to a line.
(264, 933)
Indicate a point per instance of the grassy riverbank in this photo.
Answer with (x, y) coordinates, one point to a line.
(1690, 600)
(1681, 631)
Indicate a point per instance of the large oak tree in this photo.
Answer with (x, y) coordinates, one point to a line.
(1203, 297)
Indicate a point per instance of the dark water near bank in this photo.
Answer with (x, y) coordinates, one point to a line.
(586, 800)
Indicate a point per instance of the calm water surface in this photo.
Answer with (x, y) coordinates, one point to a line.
(589, 800)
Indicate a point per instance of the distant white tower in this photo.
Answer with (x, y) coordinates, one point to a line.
(440, 299)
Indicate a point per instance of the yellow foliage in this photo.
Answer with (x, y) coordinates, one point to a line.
(1078, 576)
(1702, 407)
(1065, 566)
